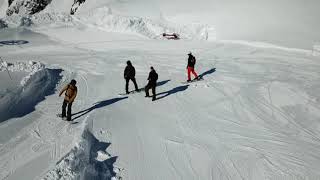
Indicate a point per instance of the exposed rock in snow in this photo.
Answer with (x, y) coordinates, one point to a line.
(10, 2)
(76, 5)
(26, 7)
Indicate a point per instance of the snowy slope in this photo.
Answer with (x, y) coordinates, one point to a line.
(290, 23)
(254, 116)
(3, 8)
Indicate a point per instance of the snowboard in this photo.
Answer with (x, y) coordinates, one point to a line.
(193, 80)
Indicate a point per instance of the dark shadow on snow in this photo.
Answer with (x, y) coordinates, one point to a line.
(160, 83)
(97, 105)
(83, 160)
(210, 71)
(172, 91)
(23, 100)
(13, 42)
(98, 169)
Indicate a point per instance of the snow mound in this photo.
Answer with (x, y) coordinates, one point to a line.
(43, 19)
(40, 82)
(32, 67)
(87, 160)
(316, 50)
(103, 18)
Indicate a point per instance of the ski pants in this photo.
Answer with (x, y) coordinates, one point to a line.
(64, 105)
(191, 70)
(134, 82)
(153, 87)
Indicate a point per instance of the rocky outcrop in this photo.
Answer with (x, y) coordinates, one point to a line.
(26, 7)
(76, 5)
(10, 2)
(29, 7)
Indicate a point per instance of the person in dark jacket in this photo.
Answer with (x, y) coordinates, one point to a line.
(190, 66)
(71, 93)
(153, 77)
(129, 74)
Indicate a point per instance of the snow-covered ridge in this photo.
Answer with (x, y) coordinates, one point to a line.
(87, 160)
(31, 67)
(40, 19)
(33, 88)
(316, 50)
(104, 19)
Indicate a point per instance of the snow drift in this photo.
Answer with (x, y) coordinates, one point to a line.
(104, 19)
(87, 160)
(39, 83)
(316, 50)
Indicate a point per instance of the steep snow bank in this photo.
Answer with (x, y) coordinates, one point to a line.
(31, 67)
(316, 50)
(39, 83)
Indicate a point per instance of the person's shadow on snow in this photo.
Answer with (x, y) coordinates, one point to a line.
(160, 83)
(172, 91)
(210, 71)
(97, 105)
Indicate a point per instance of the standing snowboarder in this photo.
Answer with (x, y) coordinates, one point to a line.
(190, 67)
(153, 77)
(71, 93)
(129, 74)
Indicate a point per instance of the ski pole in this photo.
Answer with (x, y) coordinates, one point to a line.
(6, 68)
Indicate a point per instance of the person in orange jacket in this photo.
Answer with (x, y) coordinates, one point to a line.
(70, 94)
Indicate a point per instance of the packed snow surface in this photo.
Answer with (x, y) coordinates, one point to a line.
(254, 116)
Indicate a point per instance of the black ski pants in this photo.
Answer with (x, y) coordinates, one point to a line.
(134, 82)
(153, 87)
(64, 105)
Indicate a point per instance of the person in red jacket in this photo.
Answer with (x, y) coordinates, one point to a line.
(190, 67)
